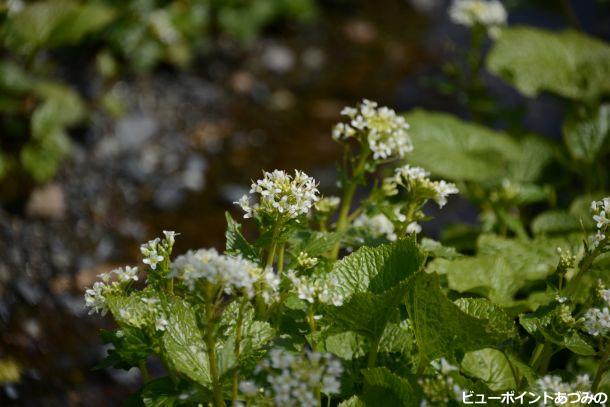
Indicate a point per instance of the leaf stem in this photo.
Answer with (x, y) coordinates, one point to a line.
(210, 344)
(237, 348)
(280, 261)
(372, 360)
(272, 249)
(312, 326)
(346, 201)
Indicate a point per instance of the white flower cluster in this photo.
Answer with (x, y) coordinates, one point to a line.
(601, 216)
(597, 321)
(281, 195)
(440, 388)
(313, 289)
(150, 314)
(306, 261)
(156, 250)
(377, 225)
(95, 297)
(552, 384)
(385, 131)
(233, 274)
(295, 379)
(488, 13)
(417, 182)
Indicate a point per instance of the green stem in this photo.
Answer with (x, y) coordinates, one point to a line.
(237, 348)
(312, 326)
(210, 343)
(280, 261)
(372, 361)
(144, 371)
(603, 365)
(346, 201)
(271, 256)
(541, 357)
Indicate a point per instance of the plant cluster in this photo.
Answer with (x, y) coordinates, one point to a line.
(38, 106)
(336, 302)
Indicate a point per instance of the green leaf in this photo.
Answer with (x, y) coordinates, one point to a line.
(555, 222)
(503, 267)
(585, 138)
(546, 324)
(567, 63)
(373, 282)
(441, 327)
(256, 335)
(350, 345)
(492, 367)
(377, 269)
(581, 208)
(436, 249)
(482, 308)
(184, 344)
(353, 401)
(405, 390)
(457, 150)
(164, 392)
(236, 242)
(53, 23)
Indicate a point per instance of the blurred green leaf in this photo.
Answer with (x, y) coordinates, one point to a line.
(555, 222)
(568, 63)
(457, 150)
(585, 138)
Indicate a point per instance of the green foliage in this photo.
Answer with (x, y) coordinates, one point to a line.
(567, 63)
(460, 151)
(489, 308)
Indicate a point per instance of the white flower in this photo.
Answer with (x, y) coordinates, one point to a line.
(443, 190)
(413, 228)
(295, 379)
(151, 256)
(95, 297)
(605, 294)
(488, 13)
(126, 274)
(311, 289)
(377, 225)
(385, 132)
(600, 210)
(248, 388)
(281, 195)
(161, 323)
(305, 261)
(233, 274)
(597, 322)
(552, 384)
(170, 236)
(417, 183)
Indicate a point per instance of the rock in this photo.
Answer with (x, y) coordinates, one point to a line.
(47, 202)
(313, 58)
(360, 32)
(241, 82)
(278, 58)
(281, 100)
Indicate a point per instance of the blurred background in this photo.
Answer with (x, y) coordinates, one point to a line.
(119, 119)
